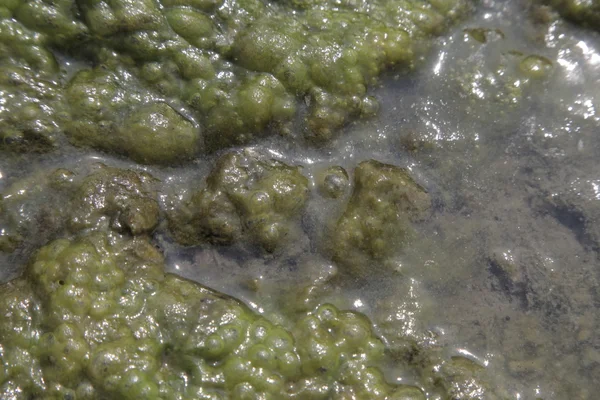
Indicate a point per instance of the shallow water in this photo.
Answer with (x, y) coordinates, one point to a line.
(506, 269)
(511, 255)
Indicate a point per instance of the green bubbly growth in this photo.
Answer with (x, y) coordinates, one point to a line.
(377, 220)
(123, 200)
(109, 112)
(583, 12)
(47, 204)
(32, 101)
(97, 318)
(246, 196)
(240, 67)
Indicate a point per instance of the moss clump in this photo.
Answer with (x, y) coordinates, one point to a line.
(33, 110)
(157, 134)
(242, 66)
(57, 20)
(123, 200)
(98, 318)
(42, 206)
(377, 220)
(112, 116)
(33, 209)
(535, 66)
(586, 13)
(238, 110)
(246, 196)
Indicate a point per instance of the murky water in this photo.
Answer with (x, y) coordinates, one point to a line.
(506, 269)
(510, 259)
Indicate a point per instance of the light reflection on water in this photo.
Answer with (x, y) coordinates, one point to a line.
(526, 180)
